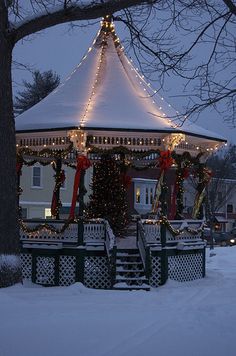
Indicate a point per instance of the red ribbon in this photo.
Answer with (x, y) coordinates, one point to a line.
(83, 163)
(54, 205)
(126, 180)
(165, 160)
(19, 167)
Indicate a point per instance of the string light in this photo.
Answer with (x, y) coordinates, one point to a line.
(83, 120)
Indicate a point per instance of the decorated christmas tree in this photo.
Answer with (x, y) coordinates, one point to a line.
(109, 196)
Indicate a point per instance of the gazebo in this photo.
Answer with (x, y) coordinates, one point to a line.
(106, 105)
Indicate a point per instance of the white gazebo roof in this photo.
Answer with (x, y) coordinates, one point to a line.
(105, 91)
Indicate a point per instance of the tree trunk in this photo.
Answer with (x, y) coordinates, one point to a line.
(9, 236)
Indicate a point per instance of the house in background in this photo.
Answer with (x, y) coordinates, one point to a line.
(142, 190)
(37, 183)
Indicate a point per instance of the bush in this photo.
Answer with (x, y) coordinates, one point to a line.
(10, 270)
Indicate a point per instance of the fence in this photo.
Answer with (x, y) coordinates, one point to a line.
(54, 254)
(171, 249)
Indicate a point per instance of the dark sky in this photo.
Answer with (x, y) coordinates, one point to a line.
(61, 49)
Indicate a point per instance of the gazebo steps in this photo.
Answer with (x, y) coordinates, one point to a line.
(126, 287)
(130, 279)
(123, 254)
(130, 274)
(125, 270)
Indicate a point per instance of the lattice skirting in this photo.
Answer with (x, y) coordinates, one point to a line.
(185, 267)
(96, 272)
(45, 270)
(26, 265)
(92, 269)
(67, 267)
(155, 279)
(65, 270)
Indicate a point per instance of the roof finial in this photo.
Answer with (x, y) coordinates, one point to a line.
(107, 23)
(107, 27)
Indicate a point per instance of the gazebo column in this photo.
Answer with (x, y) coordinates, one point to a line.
(59, 179)
(201, 186)
(181, 174)
(82, 192)
(164, 208)
(58, 185)
(204, 177)
(80, 199)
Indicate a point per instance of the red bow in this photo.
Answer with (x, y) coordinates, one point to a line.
(126, 180)
(165, 160)
(19, 167)
(82, 164)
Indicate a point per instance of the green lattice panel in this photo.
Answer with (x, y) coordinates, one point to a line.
(96, 272)
(67, 266)
(45, 270)
(186, 267)
(155, 279)
(26, 265)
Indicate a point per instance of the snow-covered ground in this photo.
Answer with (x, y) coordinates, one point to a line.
(180, 319)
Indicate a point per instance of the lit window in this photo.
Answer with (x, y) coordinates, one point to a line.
(36, 179)
(137, 195)
(47, 213)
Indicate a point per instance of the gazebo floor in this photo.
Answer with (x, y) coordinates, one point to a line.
(126, 242)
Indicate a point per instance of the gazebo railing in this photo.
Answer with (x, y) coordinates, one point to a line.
(94, 231)
(189, 231)
(144, 249)
(171, 249)
(48, 243)
(111, 250)
(43, 230)
(176, 230)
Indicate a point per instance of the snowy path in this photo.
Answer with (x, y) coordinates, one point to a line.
(196, 318)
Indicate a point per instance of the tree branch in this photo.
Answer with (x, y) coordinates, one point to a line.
(69, 13)
(231, 6)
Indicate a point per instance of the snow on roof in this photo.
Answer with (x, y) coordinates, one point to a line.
(105, 91)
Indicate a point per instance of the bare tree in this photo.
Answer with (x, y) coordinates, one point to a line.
(222, 186)
(18, 19)
(194, 40)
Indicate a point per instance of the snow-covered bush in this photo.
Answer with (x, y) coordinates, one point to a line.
(10, 270)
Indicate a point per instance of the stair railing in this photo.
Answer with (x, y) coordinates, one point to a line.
(111, 250)
(144, 249)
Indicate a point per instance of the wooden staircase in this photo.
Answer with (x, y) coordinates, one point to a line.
(130, 274)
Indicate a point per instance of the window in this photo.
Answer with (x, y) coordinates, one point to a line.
(36, 177)
(229, 208)
(24, 213)
(151, 195)
(47, 213)
(137, 195)
(147, 200)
